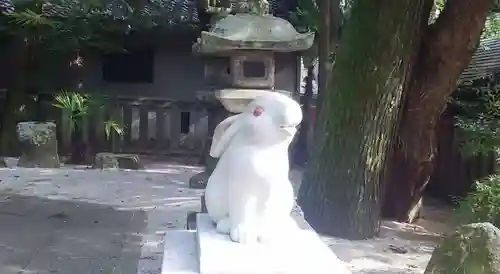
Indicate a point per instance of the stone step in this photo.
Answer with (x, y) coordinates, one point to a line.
(305, 253)
(180, 255)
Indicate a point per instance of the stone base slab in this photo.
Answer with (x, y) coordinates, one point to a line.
(180, 256)
(304, 253)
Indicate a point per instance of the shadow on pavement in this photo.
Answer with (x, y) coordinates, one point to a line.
(43, 236)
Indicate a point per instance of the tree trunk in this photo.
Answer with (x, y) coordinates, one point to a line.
(340, 193)
(18, 56)
(336, 20)
(323, 44)
(301, 151)
(78, 147)
(446, 49)
(329, 23)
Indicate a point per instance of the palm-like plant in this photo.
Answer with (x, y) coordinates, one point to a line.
(77, 106)
(111, 126)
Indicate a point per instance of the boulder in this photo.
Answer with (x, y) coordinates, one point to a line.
(199, 181)
(472, 249)
(38, 143)
(129, 161)
(3, 163)
(191, 220)
(105, 160)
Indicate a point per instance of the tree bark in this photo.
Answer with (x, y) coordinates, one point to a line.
(18, 56)
(323, 44)
(301, 152)
(340, 193)
(446, 49)
(78, 147)
(330, 22)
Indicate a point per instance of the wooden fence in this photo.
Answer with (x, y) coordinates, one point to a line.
(454, 174)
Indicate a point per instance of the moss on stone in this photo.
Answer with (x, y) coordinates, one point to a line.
(38, 143)
(106, 160)
(472, 249)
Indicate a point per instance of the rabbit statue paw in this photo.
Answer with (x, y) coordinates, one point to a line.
(244, 234)
(224, 226)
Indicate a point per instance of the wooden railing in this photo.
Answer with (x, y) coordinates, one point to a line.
(151, 126)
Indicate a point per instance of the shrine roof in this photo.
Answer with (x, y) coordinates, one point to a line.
(485, 62)
(162, 13)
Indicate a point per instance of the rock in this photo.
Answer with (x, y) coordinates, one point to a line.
(472, 249)
(105, 160)
(398, 249)
(199, 181)
(203, 204)
(64, 159)
(38, 143)
(191, 220)
(3, 163)
(129, 161)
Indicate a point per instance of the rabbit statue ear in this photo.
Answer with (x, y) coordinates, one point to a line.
(222, 135)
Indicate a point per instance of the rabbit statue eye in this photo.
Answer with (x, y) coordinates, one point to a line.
(258, 111)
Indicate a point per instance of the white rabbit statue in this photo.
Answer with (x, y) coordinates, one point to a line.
(249, 195)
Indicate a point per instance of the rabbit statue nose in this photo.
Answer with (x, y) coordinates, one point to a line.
(258, 111)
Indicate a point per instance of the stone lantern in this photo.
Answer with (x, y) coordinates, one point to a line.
(249, 41)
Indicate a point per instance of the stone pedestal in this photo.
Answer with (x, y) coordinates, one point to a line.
(179, 255)
(38, 145)
(205, 251)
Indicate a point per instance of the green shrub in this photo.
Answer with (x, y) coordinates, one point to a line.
(482, 204)
(78, 105)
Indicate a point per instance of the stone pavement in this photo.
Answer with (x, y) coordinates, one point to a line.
(75, 221)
